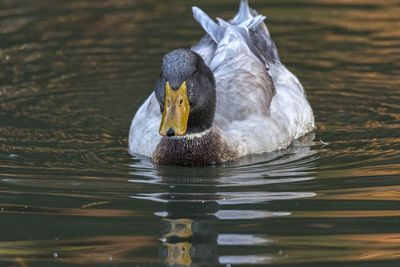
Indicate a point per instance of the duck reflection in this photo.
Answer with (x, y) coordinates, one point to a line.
(199, 202)
(189, 237)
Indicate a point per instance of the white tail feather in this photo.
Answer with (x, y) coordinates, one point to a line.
(243, 14)
(213, 29)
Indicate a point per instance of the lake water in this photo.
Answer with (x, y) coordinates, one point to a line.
(72, 75)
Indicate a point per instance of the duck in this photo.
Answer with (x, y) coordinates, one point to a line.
(226, 97)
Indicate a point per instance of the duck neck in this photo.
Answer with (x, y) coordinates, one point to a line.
(197, 149)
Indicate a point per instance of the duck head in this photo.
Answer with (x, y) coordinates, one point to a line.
(186, 94)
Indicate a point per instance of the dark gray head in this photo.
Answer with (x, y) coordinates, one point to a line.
(186, 93)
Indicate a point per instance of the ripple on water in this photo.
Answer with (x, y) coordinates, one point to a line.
(72, 76)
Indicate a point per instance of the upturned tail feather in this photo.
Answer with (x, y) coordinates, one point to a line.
(249, 24)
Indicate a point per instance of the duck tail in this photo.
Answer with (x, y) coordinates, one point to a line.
(243, 14)
(210, 26)
(260, 34)
(246, 18)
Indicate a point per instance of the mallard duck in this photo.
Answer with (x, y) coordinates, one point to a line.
(227, 97)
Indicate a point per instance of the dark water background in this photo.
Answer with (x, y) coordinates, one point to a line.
(72, 75)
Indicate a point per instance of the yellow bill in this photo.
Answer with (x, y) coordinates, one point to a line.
(176, 111)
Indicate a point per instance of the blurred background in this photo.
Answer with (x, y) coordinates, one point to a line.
(72, 75)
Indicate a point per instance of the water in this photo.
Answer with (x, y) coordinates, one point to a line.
(72, 75)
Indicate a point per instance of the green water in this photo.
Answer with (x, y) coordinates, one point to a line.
(72, 75)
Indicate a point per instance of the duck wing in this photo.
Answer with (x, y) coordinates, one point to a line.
(261, 106)
(244, 86)
(143, 134)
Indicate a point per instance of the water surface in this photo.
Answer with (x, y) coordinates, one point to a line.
(72, 75)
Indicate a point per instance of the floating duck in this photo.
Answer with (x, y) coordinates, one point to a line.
(227, 97)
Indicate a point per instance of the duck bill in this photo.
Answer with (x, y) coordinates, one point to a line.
(176, 111)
